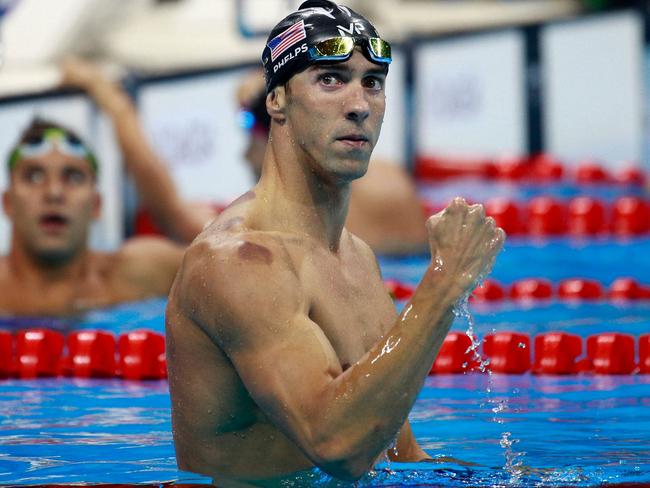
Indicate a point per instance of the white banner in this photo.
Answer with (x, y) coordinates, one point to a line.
(470, 96)
(593, 89)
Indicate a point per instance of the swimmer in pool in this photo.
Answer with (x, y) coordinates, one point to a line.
(384, 208)
(51, 202)
(284, 350)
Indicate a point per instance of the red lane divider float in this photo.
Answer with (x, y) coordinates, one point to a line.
(546, 216)
(141, 353)
(39, 352)
(582, 216)
(455, 355)
(532, 289)
(644, 354)
(6, 354)
(630, 216)
(538, 168)
(580, 289)
(555, 353)
(586, 216)
(91, 353)
(509, 352)
(611, 353)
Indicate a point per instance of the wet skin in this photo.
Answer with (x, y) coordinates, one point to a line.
(51, 202)
(284, 349)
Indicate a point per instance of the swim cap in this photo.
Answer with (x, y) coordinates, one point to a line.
(287, 48)
(42, 136)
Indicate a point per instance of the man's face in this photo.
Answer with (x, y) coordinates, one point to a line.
(335, 112)
(51, 202)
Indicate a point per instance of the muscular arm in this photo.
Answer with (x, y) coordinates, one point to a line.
(259, 314)
(155, 186)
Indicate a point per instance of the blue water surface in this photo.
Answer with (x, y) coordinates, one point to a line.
(500, 430)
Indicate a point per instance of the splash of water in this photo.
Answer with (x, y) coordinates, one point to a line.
(513, 462)
(461, 310)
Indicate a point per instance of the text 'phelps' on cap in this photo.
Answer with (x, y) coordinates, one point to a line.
(292, 44)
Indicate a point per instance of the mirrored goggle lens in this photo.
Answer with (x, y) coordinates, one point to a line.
(379, 50)
(40, 145)
(340, 48)
(335, 48)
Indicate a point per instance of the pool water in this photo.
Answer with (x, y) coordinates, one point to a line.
(502, 430)
(577, 430)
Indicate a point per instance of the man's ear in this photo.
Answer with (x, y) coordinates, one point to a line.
(276, 102)
(6, 203)
(97, 205)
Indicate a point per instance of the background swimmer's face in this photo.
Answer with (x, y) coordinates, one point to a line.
(335, 112)
(51, 202)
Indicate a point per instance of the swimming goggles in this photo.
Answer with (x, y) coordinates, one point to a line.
(340, 49)
(52, 138)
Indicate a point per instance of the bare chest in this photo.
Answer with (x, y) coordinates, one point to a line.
(63, 297)
(351, 306)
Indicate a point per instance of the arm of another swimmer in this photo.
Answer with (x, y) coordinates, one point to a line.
(176, 218)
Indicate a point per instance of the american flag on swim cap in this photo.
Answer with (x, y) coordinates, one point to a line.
(286, 39)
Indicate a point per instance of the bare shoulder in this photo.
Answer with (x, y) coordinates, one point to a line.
(145, 247)
(229, 273)
(149, 262)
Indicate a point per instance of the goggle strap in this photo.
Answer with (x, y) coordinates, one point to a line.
(16, 154)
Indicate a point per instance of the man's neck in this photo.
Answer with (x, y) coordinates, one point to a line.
(27, 267)
(292, 197)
